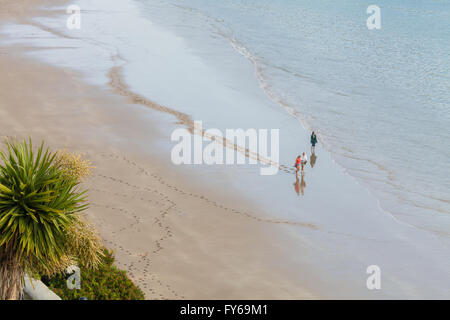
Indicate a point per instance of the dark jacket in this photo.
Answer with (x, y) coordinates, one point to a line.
(313, 139)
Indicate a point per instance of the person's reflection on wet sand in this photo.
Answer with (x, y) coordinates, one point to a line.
(299, 186)
(313, 160)
(302, 186)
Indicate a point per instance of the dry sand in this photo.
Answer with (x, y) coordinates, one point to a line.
(174, 238)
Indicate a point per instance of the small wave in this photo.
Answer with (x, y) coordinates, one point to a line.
(259, 69)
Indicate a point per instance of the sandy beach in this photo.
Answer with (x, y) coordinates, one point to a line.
(206, 232)
(174, 241)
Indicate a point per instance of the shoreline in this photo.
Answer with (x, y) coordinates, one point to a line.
(182, 201)
(166, 213)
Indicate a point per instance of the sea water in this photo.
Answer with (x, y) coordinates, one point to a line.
(378, 99)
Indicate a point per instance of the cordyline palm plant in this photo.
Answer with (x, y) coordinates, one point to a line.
(39, 217)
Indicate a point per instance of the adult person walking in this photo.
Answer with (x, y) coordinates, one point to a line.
(304, 160)
(313, 142)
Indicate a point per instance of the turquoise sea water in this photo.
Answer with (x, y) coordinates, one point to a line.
(379, 99)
